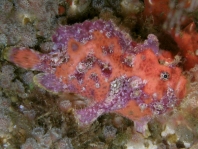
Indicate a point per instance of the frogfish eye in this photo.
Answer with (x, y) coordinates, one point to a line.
(164, 76)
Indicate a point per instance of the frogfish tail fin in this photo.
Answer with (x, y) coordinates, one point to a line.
(23, 57)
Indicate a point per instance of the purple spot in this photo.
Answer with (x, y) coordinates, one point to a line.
(74, 46)
(79, 76)
(92, 92)
(106, 70)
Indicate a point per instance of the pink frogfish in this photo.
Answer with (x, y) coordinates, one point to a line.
(97, 61)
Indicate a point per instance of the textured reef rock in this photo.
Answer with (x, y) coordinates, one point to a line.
(177, 19)
(187, 42)
(97, 61)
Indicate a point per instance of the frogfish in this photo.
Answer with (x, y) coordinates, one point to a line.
(95, 60)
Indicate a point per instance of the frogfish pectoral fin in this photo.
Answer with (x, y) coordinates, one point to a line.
(49, 82)
(23, 57)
